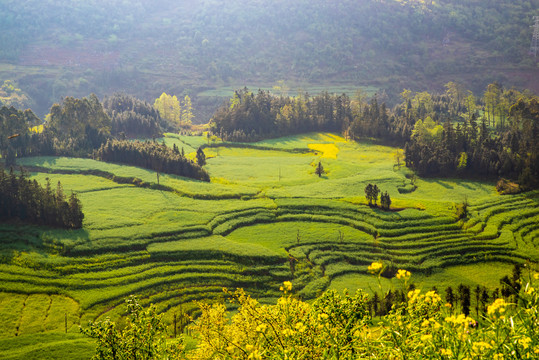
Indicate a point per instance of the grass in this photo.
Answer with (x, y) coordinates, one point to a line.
(264, 215)
(47, 346)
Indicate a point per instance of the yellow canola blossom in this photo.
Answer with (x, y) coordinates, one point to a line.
(329, 151)
(403, 274)
(498, 306)
(446, 352)
(375, 267)
(525, 342)
(480, 346)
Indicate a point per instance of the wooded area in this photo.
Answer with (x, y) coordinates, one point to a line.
(26, 200)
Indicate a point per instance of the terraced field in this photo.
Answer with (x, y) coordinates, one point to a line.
(264, 218)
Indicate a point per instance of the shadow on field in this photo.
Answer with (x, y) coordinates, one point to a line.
(16, 239)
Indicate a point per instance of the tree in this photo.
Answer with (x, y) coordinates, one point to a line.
(319, 169)
(169, 108)
(385, 201)
(449, 296)
(187, 111)
(371, 193)
(201, 157)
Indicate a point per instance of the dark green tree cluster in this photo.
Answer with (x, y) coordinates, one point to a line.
(151, 155)
(132, 117)
(385, 201)
(200, 156)
(470, 149)
(26, 200)
(250, 117)
(371, 193)
(77, 126)
(15, 137)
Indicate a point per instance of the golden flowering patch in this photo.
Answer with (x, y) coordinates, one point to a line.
(403, 274)
(375, 267)
(497, 307)
(480, 346)
(329, 151)
(446, 352)
(525, 342)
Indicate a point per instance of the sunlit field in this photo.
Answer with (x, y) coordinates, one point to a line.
(264, 218)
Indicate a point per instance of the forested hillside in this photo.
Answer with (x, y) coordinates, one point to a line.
(59, 48)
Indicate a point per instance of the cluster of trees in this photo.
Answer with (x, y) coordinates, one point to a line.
(371, 193)
(15, 136)
(249, 116)
(510, 149)
(178, 115)
(151, 155)
(26, 200)
(132, 117)
(443, 134)
(77, 126)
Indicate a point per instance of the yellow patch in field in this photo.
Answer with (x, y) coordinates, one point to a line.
(329, 151)
(37, 129)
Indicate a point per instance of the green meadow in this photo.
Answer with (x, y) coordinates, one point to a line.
(264, 218)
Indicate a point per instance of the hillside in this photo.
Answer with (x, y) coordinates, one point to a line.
(58, 48)
(264, 206)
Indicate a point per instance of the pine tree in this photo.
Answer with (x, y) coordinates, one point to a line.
(319, 169)
(201, 157)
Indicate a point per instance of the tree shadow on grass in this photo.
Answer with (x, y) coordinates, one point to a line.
(18, 237)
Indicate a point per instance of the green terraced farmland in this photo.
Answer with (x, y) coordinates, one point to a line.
(264, 218)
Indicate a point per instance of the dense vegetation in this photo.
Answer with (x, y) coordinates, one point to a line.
(24, 199)
(505, 144)
(335, 326)
(185, 48)
(132, 117)
(266, 217)
(151, 155)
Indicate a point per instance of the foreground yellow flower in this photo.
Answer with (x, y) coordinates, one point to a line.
(375, 267)
(498, 306)
(287, 285)
(403, 274)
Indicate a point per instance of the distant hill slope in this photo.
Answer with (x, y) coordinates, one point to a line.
(187, 46)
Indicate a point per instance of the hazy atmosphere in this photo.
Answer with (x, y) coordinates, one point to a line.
(238, 179)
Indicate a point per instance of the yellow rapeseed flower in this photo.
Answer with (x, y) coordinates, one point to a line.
(432, 297)
(525, 342)
(403, 274)
(498, 306)
(446, 352)
(300, 327)
(261, 328)
(323, 316)
(480, 346)
(287, 285)
(375, 267)
(426, 337)
(288, 332)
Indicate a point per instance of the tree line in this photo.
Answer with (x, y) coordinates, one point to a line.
(151, 155)
(132, 117)
(24, 199)
(448, 134)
